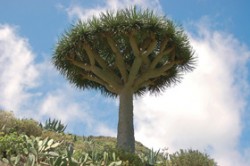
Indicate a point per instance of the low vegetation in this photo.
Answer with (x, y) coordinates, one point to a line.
(25, 142)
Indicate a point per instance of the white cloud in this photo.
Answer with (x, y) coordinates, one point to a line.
(60, 104)
(86, 13)
(202, 112)
(18, 73)
(37, 90)
(104, 130)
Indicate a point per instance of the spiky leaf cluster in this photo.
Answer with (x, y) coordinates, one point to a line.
(54, 125)
(130, 48)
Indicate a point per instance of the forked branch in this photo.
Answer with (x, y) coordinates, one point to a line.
(133, 44)
(153, 73)
(118, 59)
(104, 75)
(159, 56)
(91, 53)
(100, 81)
(149, 48)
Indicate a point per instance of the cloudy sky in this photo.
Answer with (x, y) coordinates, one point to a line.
(208, 110)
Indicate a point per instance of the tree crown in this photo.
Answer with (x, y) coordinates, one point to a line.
(128, 48)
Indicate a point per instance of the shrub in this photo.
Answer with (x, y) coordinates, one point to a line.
(190, 157)
(8, 122)
(10, 145)
(28, 127)
(34, 151)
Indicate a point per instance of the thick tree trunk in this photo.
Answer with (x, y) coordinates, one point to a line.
(125, 134)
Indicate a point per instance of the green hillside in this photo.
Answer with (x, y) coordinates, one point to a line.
(26, 142)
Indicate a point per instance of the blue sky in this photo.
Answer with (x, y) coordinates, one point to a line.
(208, 111)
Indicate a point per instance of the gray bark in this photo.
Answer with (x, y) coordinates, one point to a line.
(125, 134)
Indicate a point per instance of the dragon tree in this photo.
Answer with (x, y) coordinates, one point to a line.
(124, 54)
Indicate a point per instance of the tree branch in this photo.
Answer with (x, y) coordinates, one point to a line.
(145, 43)
(133, 44)
(106, 76)
(164, 44)
(134, 70)
(153, 73)
(118, 60)
(103, 74)
(150, 47)
(161, 53)
(159, 56)
(91, 56)
(102, 63)
(147, 52)
(81, 65)
(101, 82)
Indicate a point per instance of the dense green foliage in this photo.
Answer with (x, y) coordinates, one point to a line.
(59, 149)
(9, 124)
(190, 157)
(10, 144)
